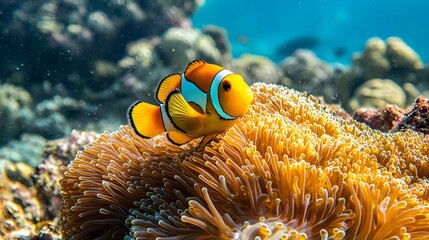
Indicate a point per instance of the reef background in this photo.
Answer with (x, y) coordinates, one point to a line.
(68, 65)
(333, 29)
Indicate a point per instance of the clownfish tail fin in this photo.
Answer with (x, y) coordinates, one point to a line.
(145, 119)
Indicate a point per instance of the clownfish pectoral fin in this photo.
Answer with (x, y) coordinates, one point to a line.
(145, 119)
(206, 139)
(194, 65)
(178, 138)
(166, 85)
(181, 114)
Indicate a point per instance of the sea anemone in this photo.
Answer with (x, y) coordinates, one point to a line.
(288, 169)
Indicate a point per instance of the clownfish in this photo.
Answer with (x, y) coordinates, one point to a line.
(201, 102)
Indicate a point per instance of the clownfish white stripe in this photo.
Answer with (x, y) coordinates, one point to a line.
(214, 93)
(192, 93)
(168, 125)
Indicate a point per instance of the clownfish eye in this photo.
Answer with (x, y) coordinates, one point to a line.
(226, 85)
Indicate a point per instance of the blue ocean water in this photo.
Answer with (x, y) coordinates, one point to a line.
(333, 29)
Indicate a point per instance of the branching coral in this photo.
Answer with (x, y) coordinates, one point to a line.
(287, 170)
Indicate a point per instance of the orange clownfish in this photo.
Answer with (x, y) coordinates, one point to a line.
(203, 101)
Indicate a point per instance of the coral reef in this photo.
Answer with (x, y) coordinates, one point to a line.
(15, 109)
(391, 59)
(293, 167)
(376, 93)
(256, 68)
(21, 214)
(401, 56)
(151, 59)
(66, 52)
(46, 176)
(67, 32)
(384, 119)
(90, 59)
(30, 198)
(308, 73)
(220, 39)
(288, 169)
(417, 119)
(179, 46)
(23, 121)
(28, 149)
(391, 118)
(54, 115)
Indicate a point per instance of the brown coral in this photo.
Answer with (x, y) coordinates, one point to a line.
(417, 118)
(384, 119)
(21, 213)
(287, 170)
(390, 59)
(376, 93)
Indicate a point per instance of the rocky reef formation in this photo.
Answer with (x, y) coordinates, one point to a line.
(154, 58)
(15, 109)
(391, 118)
(21, 215)
(392, 59)
(287, 169)
(417, 119)
(256, 68)
(67, 32)
(30, 197)
(28, 149)
(65, 54)
(308, 73)
(384, 119)
(376, 93)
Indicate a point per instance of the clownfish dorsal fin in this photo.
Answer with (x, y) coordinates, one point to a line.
(178, 138)
(194, 65)
(167, 85)
(182, 115)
